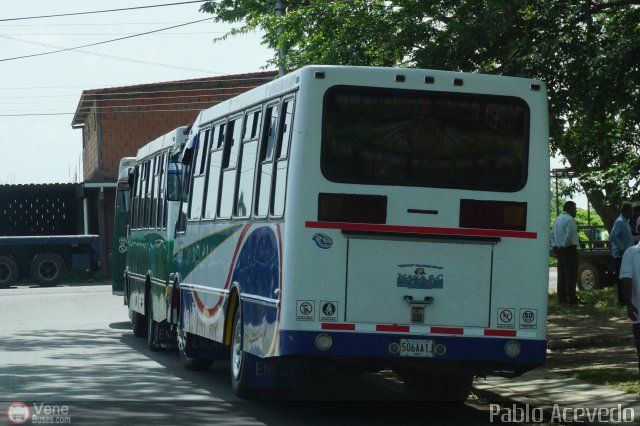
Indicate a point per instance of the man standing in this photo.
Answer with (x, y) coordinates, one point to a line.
(564, 240)
(621, 239)
(630, 276)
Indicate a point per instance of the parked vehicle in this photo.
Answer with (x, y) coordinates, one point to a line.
(41, 233)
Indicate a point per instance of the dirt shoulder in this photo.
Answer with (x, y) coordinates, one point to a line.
(593, 342)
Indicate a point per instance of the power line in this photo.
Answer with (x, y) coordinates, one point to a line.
(177, 82)
(109, 34)
(104, 55)
(101, 11)
(89, 25)
(101, 42)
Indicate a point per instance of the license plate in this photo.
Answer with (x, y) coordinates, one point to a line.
(416, 348)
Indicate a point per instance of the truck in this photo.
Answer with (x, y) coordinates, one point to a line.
(41, 233)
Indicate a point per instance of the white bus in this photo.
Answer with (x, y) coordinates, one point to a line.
(365, 218)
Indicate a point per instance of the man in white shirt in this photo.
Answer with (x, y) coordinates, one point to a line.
(564, 240)
(630, 276)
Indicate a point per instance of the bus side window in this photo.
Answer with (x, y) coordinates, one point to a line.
(282, 159)
(229, 161)
(144, 207)
(247, 165)
(154, 190)
(213, 174)
(136, 197)
(187, 168)
(160, 197)
(265, 165)
(197, 191)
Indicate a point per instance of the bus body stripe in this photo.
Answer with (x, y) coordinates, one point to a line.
(393, 328)
(425, 230)
(447, 330)
(426, 330)
(338, 326)
(510, 333)
(209, 312)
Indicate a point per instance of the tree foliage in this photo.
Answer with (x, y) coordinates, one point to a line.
(587, 52)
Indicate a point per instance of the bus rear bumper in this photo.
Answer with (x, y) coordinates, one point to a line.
(479, 355)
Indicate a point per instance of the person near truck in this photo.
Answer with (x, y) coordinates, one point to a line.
(564, 241)
(621, 239)
(630, 276)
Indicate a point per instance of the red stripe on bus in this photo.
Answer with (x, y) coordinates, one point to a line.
(333, 326)
(510, 333)
(394, 328)
(209, 312)
(426, 230)
(447, 330)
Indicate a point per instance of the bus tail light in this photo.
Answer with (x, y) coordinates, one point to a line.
(352, 208)
(483, 214)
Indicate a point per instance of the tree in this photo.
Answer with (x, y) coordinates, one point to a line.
(587, 52)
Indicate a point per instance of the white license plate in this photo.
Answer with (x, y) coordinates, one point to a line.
(416, 348)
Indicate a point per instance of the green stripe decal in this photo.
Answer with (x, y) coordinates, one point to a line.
(189, 257)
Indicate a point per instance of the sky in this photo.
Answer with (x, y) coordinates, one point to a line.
(44, 148)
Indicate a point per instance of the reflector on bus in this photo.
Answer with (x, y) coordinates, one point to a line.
(352, 208)
(485, 214)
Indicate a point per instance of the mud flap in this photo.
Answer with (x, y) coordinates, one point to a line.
(274, 373)
(200, 347)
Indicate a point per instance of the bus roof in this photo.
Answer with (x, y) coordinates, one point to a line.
(123, 170)
(407, 78)
(168, 140)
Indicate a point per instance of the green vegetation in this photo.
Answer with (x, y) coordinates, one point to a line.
(616, 377)
(586, 52)
(598, 303)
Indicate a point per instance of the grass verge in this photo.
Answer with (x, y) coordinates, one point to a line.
(618, 378)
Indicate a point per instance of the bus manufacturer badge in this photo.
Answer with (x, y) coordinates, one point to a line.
(323, 241)
(417, 276)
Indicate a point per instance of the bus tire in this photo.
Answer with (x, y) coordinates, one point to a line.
(239, 376)
(191, 363)
(457, 388)
(152, 328)
(588, 276)
(138, 323)
(8, 271)
(48, 269)
(440, 388)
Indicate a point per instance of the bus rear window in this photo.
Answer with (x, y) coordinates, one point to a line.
(418, 138)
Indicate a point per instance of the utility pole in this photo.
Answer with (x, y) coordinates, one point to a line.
(279, 8)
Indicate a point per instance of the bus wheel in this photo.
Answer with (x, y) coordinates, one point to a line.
(138, 323)
(8, 271)
(239, 377)
(443, 388)
(191, 363)
(152, 329)
(47, 269)
(588, 276)
(457, 388)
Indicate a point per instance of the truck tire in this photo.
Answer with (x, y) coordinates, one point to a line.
(48, 269)
(588, 276)
(8, 271)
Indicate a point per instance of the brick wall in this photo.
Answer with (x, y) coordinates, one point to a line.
(129, 117)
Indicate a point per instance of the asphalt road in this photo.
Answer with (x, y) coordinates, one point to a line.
(72, 347)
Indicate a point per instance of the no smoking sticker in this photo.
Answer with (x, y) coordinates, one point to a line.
(528, 318)
(305, 310)
(506, 318)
